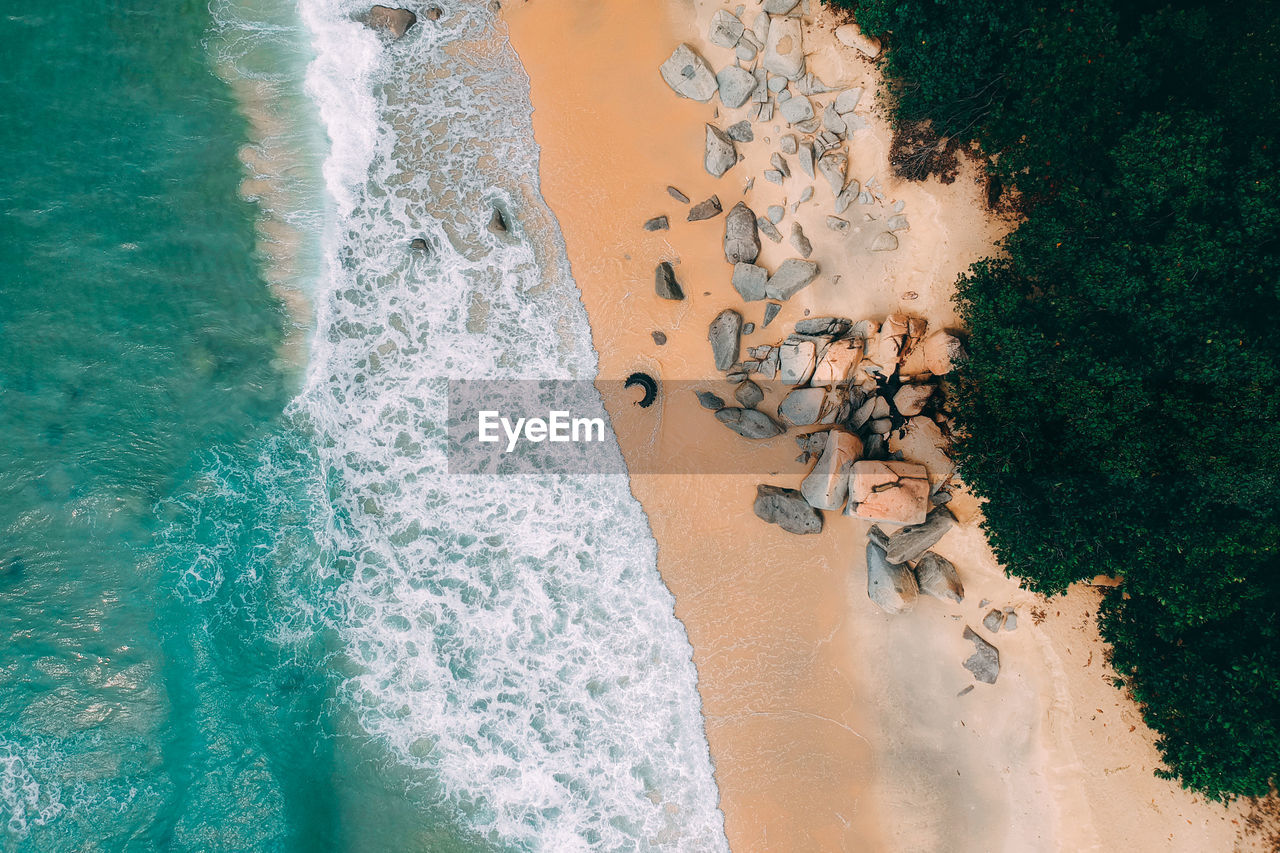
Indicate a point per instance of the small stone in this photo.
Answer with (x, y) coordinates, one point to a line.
(768, 229)
(837, 224)
(740, 132)
(749, 394)
(897, 222)
(806, 158)
(749, 423)
(689, 75)
(748, 328)
(659, 338)
(791, 276)
(787, 144)
(710, 401)
(705, 209)
(724, 333)
(721, 154)
(805, 195)
(885, 241)
(725, 29)
(1010, 619)
(750, 281)
(741, 235)
(777, 84)
(745, 49)
(657, 223)
(847, 101)
(846, 197)
(771, 310)
(773, 176)
(677, 195)
(665, 284)
(833, 166)
(736, 85)
(786, 508)
(796, 110)
(776, 212)
(831, 120)
(801, 242)
(993, 620)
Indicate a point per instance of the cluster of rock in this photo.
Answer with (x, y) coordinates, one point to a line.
(396, 22)
(775, 78)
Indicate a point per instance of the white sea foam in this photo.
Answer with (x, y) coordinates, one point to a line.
(24, 802)
(511, 637)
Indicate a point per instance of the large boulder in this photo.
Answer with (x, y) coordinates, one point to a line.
(395, 22)
(721, 154)
(889, 492)
(705, 209)
(725, 29)
(910, 400)
(827, 485)
(833, 166)
(838, 362)
(791, 276)
(796, 109)
(796, 360)
(741, 239)
(852, 36)
(750, 280)
(783, 50)
(942, 352)
(807, 406)
(689, 75)
(749, 423)
(664, 282)
(779, 7)
(786, 508)
(736, 85)
(891, 586)
(725, 333)
(937, 576)
(984, 663)
(910, 543)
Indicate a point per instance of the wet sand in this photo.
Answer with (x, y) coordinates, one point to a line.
(832, 725)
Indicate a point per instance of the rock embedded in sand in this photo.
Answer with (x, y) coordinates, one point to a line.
(721, 154)
(724, 333)
(776, 212)
(796, 110)
(885, 241)
(827, 485)
(784, 50)
(984, 663)
(659, 338)
(851, 35)
(796, 361)
(889, 492)
(748, 394)
(807, 406)
(705, 209)
(736, 85)
(909, 543)
(838, 225)
(657, 223)
(847, 101)
(779, 7)
(665, 284)
(725, 29)
(790, 278)
(741, 238)
(395, 22)
(750, 280)
(740, 132)
(787, 144)
(993, 621)
(786, 508)
(767, 229)
(806, 158)
(770, 311)
(709, 401)
(833, 167)
(937, 576)
(689, 75)
(749, 423)
(844, 198)
(677, 195)
(891, 586)
(418, 244)
(1010, 619)
(799, 241)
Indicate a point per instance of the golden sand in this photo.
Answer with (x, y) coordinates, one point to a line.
(832, 725)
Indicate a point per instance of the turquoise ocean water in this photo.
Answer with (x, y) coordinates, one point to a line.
(243, 606)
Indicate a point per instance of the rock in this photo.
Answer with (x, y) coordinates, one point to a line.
(705, 209)
(827, 485)
(831, 120)
(891, 586)
(741, 239)
(846, 197)
(749, 423)
(942, 352)
(898, 222)
(657, 223)
(885, 241)
(805, 195)
(725, 29)
(746, 49)
(910, 400)
(787, 144)
(665, 284)
(498, 223)
(395, 22)
(779, 7)
(833, 166)
(1010, 619)
(773, 176)
(851, 36)
(993, 620)
(783, 49)
(806, 158)
(847, 101)
(710, 401)
(796, 110)
(777, 85)
(659, 338)
(771, 310)
(750, 281)
(829, 326)
(840, 226)
(890, 492)
(937, 576)
(801, 242)
(838, 363)
(790, 277)
(780, 164)
(677, 195)
(921, 441)
(749, 394)
(689, 75)
(748, 328)
(724, 333)
(740, 132)
(909, 543)
(433, 13)
(796, 361)
(736, 85)
(419, 245)
(786, 508)
(760, 27)
(767, 229)
(721, 154)
(776, 212)
(984, 663)
(807, 406)
(880, 426)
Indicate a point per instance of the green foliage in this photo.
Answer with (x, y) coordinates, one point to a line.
(1121, 407)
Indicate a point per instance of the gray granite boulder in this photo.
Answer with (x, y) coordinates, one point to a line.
(725, 335)
(749, 423)
(910, 543)
(750, 281)
(833, 166)
(705, 209)
(748, 394)
(721, 153)
(784, 49)
(741, 238)
(993, 621)
(665, 284)
(689, 75)
(736, 85)
(740, 132)
(984, 663)
(799, 241)
(786, 508)
(725, 29)
(804, 407)
(937, 576)
(790, 278)
(796, 110)
(710, 401)
(768, 229)
(395, 22)
(891, 586)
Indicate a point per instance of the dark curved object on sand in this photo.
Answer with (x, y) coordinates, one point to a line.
(648, 383)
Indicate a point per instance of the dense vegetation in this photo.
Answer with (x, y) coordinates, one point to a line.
(1121, 408)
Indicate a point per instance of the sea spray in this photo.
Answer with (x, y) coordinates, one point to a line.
(509, 637)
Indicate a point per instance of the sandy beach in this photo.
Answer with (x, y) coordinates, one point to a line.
(832, 725)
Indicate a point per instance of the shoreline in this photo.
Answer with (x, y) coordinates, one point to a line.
(817, 737)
